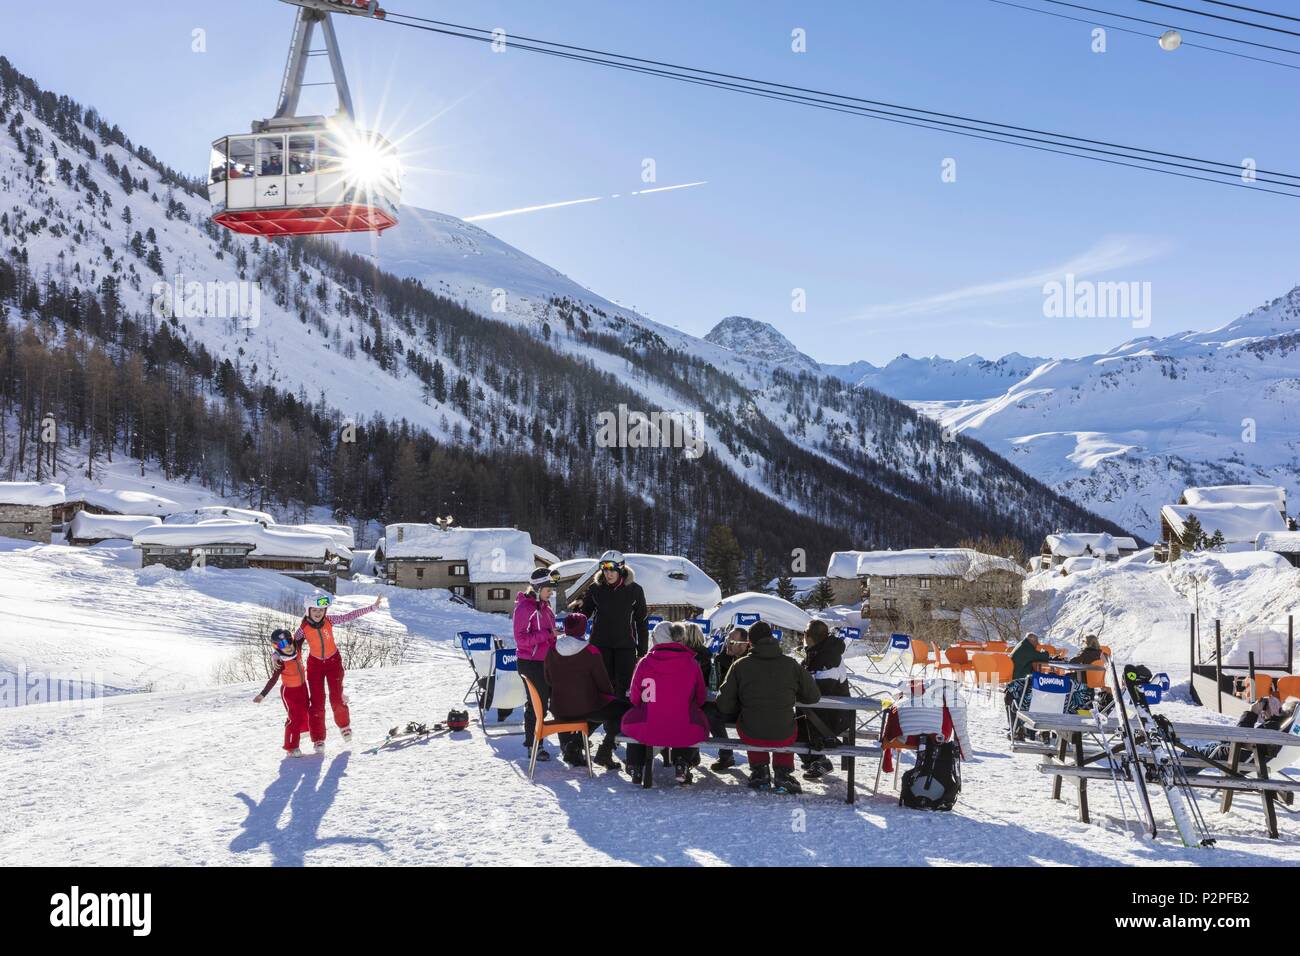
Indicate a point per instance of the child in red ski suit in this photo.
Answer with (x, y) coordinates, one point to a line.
(325, 665)
(287, 669)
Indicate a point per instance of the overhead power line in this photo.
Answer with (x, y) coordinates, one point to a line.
(1167, 163)
(1220, 17)
(1140, 33)
(1162, 23)
(1265, 13)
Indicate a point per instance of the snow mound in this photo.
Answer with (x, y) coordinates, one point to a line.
(768, 607)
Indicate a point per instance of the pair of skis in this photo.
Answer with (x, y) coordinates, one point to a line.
(413, 731)
(1148, 740)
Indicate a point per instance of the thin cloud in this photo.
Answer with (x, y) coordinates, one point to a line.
(1114, 252)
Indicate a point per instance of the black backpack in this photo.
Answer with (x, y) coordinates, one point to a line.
(935, 781)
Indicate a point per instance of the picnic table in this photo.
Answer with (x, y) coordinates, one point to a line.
(1071, 729)
(848, 752)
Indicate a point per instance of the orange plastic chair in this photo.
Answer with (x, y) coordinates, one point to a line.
(546, 729)
(1105, 649)
(1288, 686)
(992, 669)
(958, 661)
(1263, 685)
(1095, 679)
(921, 654)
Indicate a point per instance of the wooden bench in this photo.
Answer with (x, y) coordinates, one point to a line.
(1070, 729)
(848, 755)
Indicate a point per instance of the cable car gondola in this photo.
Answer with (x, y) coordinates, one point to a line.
(295, 175)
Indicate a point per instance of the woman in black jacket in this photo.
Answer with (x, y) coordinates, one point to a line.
(823, 657)
(616, 605)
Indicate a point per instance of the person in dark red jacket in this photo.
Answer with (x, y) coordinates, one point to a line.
(581, 690)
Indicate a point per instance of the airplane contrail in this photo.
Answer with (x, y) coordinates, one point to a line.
(576, 202)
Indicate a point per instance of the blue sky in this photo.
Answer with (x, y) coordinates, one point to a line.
(853, 211)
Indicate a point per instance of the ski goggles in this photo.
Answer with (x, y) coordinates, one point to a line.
(322, 601)
(284, 645)
(610, 566)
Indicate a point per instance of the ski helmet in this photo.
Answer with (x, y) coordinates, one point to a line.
(283, 641)
(543, 578)
(612, 561)
(1137, 674)
(321, 601)
(457, 719)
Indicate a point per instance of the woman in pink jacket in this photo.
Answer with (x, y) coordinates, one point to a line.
(667, 691)
(534, 621)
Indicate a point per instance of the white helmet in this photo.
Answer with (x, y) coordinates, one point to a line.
(612, 557)
(319, 600)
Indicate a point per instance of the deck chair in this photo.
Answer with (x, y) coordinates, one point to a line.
(549, 728)
(896, 657)
(505, 690)
(479, 650)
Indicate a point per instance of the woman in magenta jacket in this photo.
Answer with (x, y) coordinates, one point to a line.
(667, 691)
(534, 624)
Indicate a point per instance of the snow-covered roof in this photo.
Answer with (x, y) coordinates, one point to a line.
(1126, 544)
(1285, 542)
(127, 502)
(665, 578)
(940, 562)
(768, 607)
(219, 511)
(1079, 544)
(34, 493)
(548, 557)
(341, 533)
(92, 527)
(273, 542)
(1236, 495)
(493, 555)
(1238, 522)
(844, 564)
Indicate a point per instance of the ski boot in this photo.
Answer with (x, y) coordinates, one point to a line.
(637, 773)
(682, 771)
(726, 760)
(319, 747)
(760, 778)
(574, 755)
(347, 735)
(785, 781)
(819, 768)
(604, 756)
(295, 752)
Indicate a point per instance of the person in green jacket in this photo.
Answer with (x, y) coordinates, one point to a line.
(1024, 657)
(761, 690)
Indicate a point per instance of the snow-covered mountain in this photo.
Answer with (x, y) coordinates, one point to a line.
(487, 352)
(939, 379)
(762, 341)
(1124, 431)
